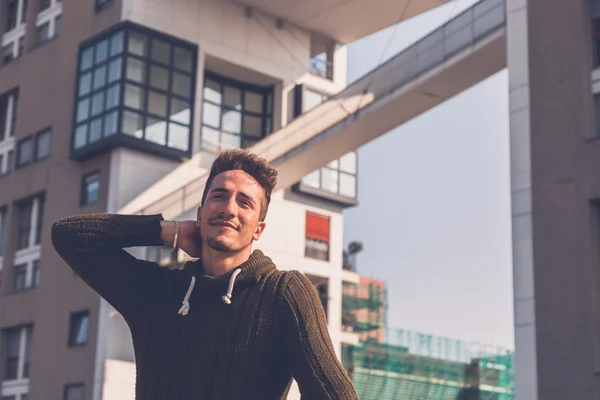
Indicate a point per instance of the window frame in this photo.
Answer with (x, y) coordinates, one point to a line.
(13, 38)
(83, 199)
(25, 333)
(48, 16)
(36, 203)
(3, 224)
(72, 333)
(267, 116)
(90, 149)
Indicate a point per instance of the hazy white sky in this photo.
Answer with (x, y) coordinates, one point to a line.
(435, 196)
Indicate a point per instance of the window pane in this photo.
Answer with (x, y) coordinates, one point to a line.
(112, 96)
(231, 121)
(157, 104)
(81, 136)
(82, 329)
(98, 103)
(83, 109)
(156, 131)
(210, 136)
(348, 163)
(20, 273)
(85, 83)
(74, 392)
(132, 124)
(25, 152)
(35, 279)
(329, 180)
(182, 84)
(161, 51)
(347, 185)
(137, 44)
(179, 136)
(211, 115)
(134, 97)
(180, 111)
(229, 140)
(136, 70)
(57, 25)
(232, 97)
(96, 130)
(101, 51)
(159, 77)
(114, 69)
(253, 102)
(87, 58)
(212, 91)
(92, 190)
(313, 179)
(42, 146)
(183, 59)
(99, 77)
(252, 125)
(116, 43)
(111, 121)
(43, 32)
(335, 164)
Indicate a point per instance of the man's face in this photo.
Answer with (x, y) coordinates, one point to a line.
(229, 218)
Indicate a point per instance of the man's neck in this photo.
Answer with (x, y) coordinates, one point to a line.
(217, 263)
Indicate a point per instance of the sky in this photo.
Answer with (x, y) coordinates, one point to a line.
(434, 212)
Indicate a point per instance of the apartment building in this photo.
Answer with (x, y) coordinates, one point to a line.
(104, 101)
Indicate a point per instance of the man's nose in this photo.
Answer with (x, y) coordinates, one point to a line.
(231, 207)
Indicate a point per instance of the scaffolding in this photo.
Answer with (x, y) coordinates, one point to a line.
(391, 364)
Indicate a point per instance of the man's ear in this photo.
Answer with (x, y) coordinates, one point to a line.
(260, 228)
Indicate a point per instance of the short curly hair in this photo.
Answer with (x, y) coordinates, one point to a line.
(255, 166)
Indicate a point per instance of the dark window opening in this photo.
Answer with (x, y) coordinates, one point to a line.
(74, 391)
(25, 152)
(78, 328)
(90, 188)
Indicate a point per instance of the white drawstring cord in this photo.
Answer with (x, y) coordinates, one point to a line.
(186, 300)
(227, 297)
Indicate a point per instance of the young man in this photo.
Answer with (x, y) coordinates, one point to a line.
(227, 326)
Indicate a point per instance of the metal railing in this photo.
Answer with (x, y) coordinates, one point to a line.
(321, 67)
(462, 31)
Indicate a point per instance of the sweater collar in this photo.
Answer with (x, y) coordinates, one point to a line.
(249, 273)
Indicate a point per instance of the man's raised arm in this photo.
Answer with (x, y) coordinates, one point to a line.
(93, 246)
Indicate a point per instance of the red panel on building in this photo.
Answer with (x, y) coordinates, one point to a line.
(317, 227)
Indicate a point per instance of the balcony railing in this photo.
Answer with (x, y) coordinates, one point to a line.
(321, 67)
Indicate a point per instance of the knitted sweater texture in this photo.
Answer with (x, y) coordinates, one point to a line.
(273, 330)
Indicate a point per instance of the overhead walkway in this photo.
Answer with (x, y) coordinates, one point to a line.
(466, 50)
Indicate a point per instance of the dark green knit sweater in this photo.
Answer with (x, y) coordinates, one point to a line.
(273, 330)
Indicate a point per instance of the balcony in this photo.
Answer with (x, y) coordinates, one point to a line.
(343, 21)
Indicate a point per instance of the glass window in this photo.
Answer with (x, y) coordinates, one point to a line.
(74, 392)
(90, 190)
(43, 32)
(103, 4)
(42, 145)
(20, 277)
(138, 44)
(3, 213)
(161, 51)
(183, 59)
(116, 43)
(238, 113)
(147, 95)
(338, 177)
(25, 152)
(35, 274)
(78, 328)
(12, 340)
